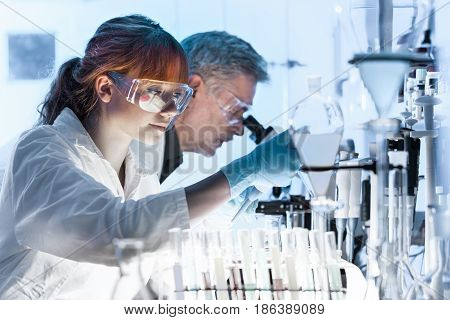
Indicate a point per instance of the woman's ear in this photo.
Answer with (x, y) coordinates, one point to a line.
(103, 87)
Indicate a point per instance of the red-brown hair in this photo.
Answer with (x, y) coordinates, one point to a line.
(133, 45)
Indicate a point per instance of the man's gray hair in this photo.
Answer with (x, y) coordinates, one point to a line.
(219, 55)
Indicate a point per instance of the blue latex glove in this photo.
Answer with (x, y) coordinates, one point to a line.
(272, 163)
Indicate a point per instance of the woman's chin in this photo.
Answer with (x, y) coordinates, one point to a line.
(151, 136)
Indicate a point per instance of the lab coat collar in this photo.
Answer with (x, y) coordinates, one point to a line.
(73, 130)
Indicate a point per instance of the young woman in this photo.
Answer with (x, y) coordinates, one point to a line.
(74, 182)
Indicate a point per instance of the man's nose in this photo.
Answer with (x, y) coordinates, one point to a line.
(238, 128)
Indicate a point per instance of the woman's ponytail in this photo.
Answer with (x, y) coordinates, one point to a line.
(62, 92)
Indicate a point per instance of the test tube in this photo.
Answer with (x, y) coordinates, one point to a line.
(231, 262)
(176, 247)
(316, 257)
(334, 273)
(304, 270)
(201, 248)
(214, 243)
(262, 269)
(288, 249)
(189, 261)
(246, 259)
(274, 248)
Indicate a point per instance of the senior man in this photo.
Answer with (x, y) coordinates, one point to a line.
(224, 72)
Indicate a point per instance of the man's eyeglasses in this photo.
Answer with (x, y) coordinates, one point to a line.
(232, 107)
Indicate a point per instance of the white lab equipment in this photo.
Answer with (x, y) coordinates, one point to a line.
(382, 74)
(313, 122)
(273, 272)
(427, 103)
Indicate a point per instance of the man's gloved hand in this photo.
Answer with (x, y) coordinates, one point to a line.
(272, 163)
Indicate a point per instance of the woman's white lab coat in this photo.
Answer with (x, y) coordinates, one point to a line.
(62, 204)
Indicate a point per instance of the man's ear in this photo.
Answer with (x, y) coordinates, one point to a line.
(103, 87)
(195, 81)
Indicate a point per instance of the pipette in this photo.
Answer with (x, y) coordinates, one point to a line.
(253, 195)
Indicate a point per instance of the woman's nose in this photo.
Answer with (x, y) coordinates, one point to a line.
(169, 111)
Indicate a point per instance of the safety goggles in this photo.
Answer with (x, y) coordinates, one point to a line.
(154, 95)
(232, 107)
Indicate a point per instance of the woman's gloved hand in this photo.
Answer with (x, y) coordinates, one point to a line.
(272, 163)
